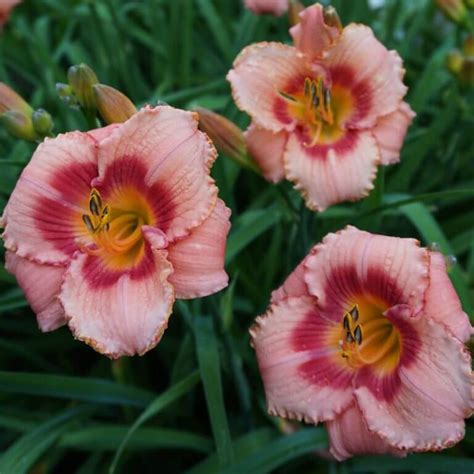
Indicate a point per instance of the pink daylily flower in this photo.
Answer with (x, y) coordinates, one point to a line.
(367, 336)
(5, 7)
(262, 7)
(105, 229)
(326, 111)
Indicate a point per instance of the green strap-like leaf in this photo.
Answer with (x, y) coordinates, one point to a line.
(279, 452)
(76, 388)
(19, 457)
(106, 437)
(243, 447)
(162, 401)
(208, 358)
(249, 226)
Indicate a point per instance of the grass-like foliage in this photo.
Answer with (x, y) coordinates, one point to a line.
(196, 403)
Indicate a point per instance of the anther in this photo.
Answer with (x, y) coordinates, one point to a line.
(307, 87)
(354, 313)
(88, 223)
(314, 91)
(287, 96)
(358, 335)
(327, 97)
(94, 205)
(315, 101)
(349, 337)
(345, 323)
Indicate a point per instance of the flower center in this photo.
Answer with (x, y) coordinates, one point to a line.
(319, 109)
(116, 230)
(369, 338)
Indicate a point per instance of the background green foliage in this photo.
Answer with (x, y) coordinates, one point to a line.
(195, 403)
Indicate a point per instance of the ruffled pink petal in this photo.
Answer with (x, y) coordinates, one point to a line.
(99, 134)
(361, 63)
(435, 395)
(267, 149)
(311, 35)
(354, 262)
(41, 285)
(302, 373)
(122, 313)
(198, 260)
(390, 132)
(260, 72)
(294, 285)
(329, 174)
(262, 7)
(176, 157)
(442, 303)
(348, 436)
(43, 216)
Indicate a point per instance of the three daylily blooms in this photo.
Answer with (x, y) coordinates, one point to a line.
(106, 228)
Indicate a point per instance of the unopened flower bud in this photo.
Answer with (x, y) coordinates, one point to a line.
(454, 61)
(81, 79)
(294, 10)
(226, 136)
(19, 125)
(455, 10)
(468, 46)
(10, 100)
(66, 94)
(466, 75)
(113, 106)
(42, 122)
(331, 18)
(462, 64)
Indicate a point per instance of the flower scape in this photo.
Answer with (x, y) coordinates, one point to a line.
(215, 196)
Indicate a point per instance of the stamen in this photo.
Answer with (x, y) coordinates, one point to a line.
(354, 313)
(95, 202)
(376, 343)
(312, 108)
(345, 323)
(358, 335)
(307, 87)
(314, 91)
(88, 223)
(288, 97)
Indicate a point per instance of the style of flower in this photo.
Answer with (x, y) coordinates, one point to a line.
(104, 229)
(5, 8)
(326, 111)
(262, 7)
(367, 336)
